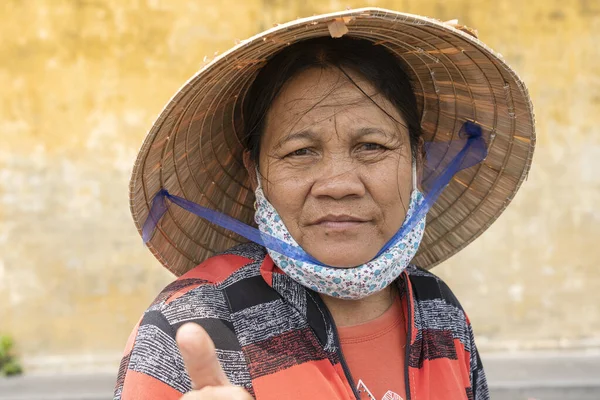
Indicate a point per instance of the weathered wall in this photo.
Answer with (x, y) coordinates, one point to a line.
(82, 81)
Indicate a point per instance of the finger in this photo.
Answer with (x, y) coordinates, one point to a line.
(218, 393)
(198, 352)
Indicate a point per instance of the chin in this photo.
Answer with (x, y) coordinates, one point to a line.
(342, 256)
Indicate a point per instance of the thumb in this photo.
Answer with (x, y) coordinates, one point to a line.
(198, 352)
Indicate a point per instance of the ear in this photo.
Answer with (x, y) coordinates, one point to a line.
(251, 169)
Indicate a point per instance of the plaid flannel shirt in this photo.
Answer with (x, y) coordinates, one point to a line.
(277, 339)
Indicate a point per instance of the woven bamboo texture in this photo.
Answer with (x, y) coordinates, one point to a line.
(194, 148)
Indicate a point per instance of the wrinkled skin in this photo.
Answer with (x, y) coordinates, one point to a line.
(336, 165)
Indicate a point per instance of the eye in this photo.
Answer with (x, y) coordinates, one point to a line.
(371, 147)
(299, 153)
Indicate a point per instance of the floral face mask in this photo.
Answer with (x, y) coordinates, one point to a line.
(345, 283)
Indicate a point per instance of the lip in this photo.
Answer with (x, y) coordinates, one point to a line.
(339, 225)
(339, 221)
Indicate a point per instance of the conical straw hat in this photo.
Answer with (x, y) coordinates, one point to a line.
(194, 149)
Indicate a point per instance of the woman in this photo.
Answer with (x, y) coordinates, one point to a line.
(345, 132)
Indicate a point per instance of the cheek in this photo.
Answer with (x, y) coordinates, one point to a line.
(288, 195)
(391, 192)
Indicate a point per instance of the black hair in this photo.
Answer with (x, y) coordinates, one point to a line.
(374, 62)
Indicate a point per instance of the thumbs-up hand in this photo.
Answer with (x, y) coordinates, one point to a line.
(209, 382)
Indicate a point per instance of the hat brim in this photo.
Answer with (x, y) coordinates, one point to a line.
(194, 149)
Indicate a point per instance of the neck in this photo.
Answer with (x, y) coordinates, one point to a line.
(356, 312)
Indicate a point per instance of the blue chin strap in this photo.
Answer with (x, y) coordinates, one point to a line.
(443, 160)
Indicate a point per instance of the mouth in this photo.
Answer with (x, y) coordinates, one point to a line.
(339, 222)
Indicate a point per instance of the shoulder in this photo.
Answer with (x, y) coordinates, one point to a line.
(427, 286)
(200, 295)
(437, 310)
(206, 294)
(444, 330)
(152, 365)
(205, 284)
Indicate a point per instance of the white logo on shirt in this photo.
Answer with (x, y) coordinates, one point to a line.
(389, 395)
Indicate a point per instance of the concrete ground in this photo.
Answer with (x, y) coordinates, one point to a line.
(529, 377)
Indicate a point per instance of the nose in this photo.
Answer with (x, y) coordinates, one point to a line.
(337, 180)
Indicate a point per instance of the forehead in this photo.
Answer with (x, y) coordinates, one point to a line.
(318, 96)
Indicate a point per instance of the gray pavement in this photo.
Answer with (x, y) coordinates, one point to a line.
(526, 377)
(58, 387)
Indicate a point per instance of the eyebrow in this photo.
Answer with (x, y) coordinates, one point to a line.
(303, 134)
(371, 130)
(354, 135)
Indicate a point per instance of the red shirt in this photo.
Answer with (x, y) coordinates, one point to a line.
(274, 338)
(375, 353)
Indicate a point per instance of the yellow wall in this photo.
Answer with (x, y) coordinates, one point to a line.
(82, 81)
